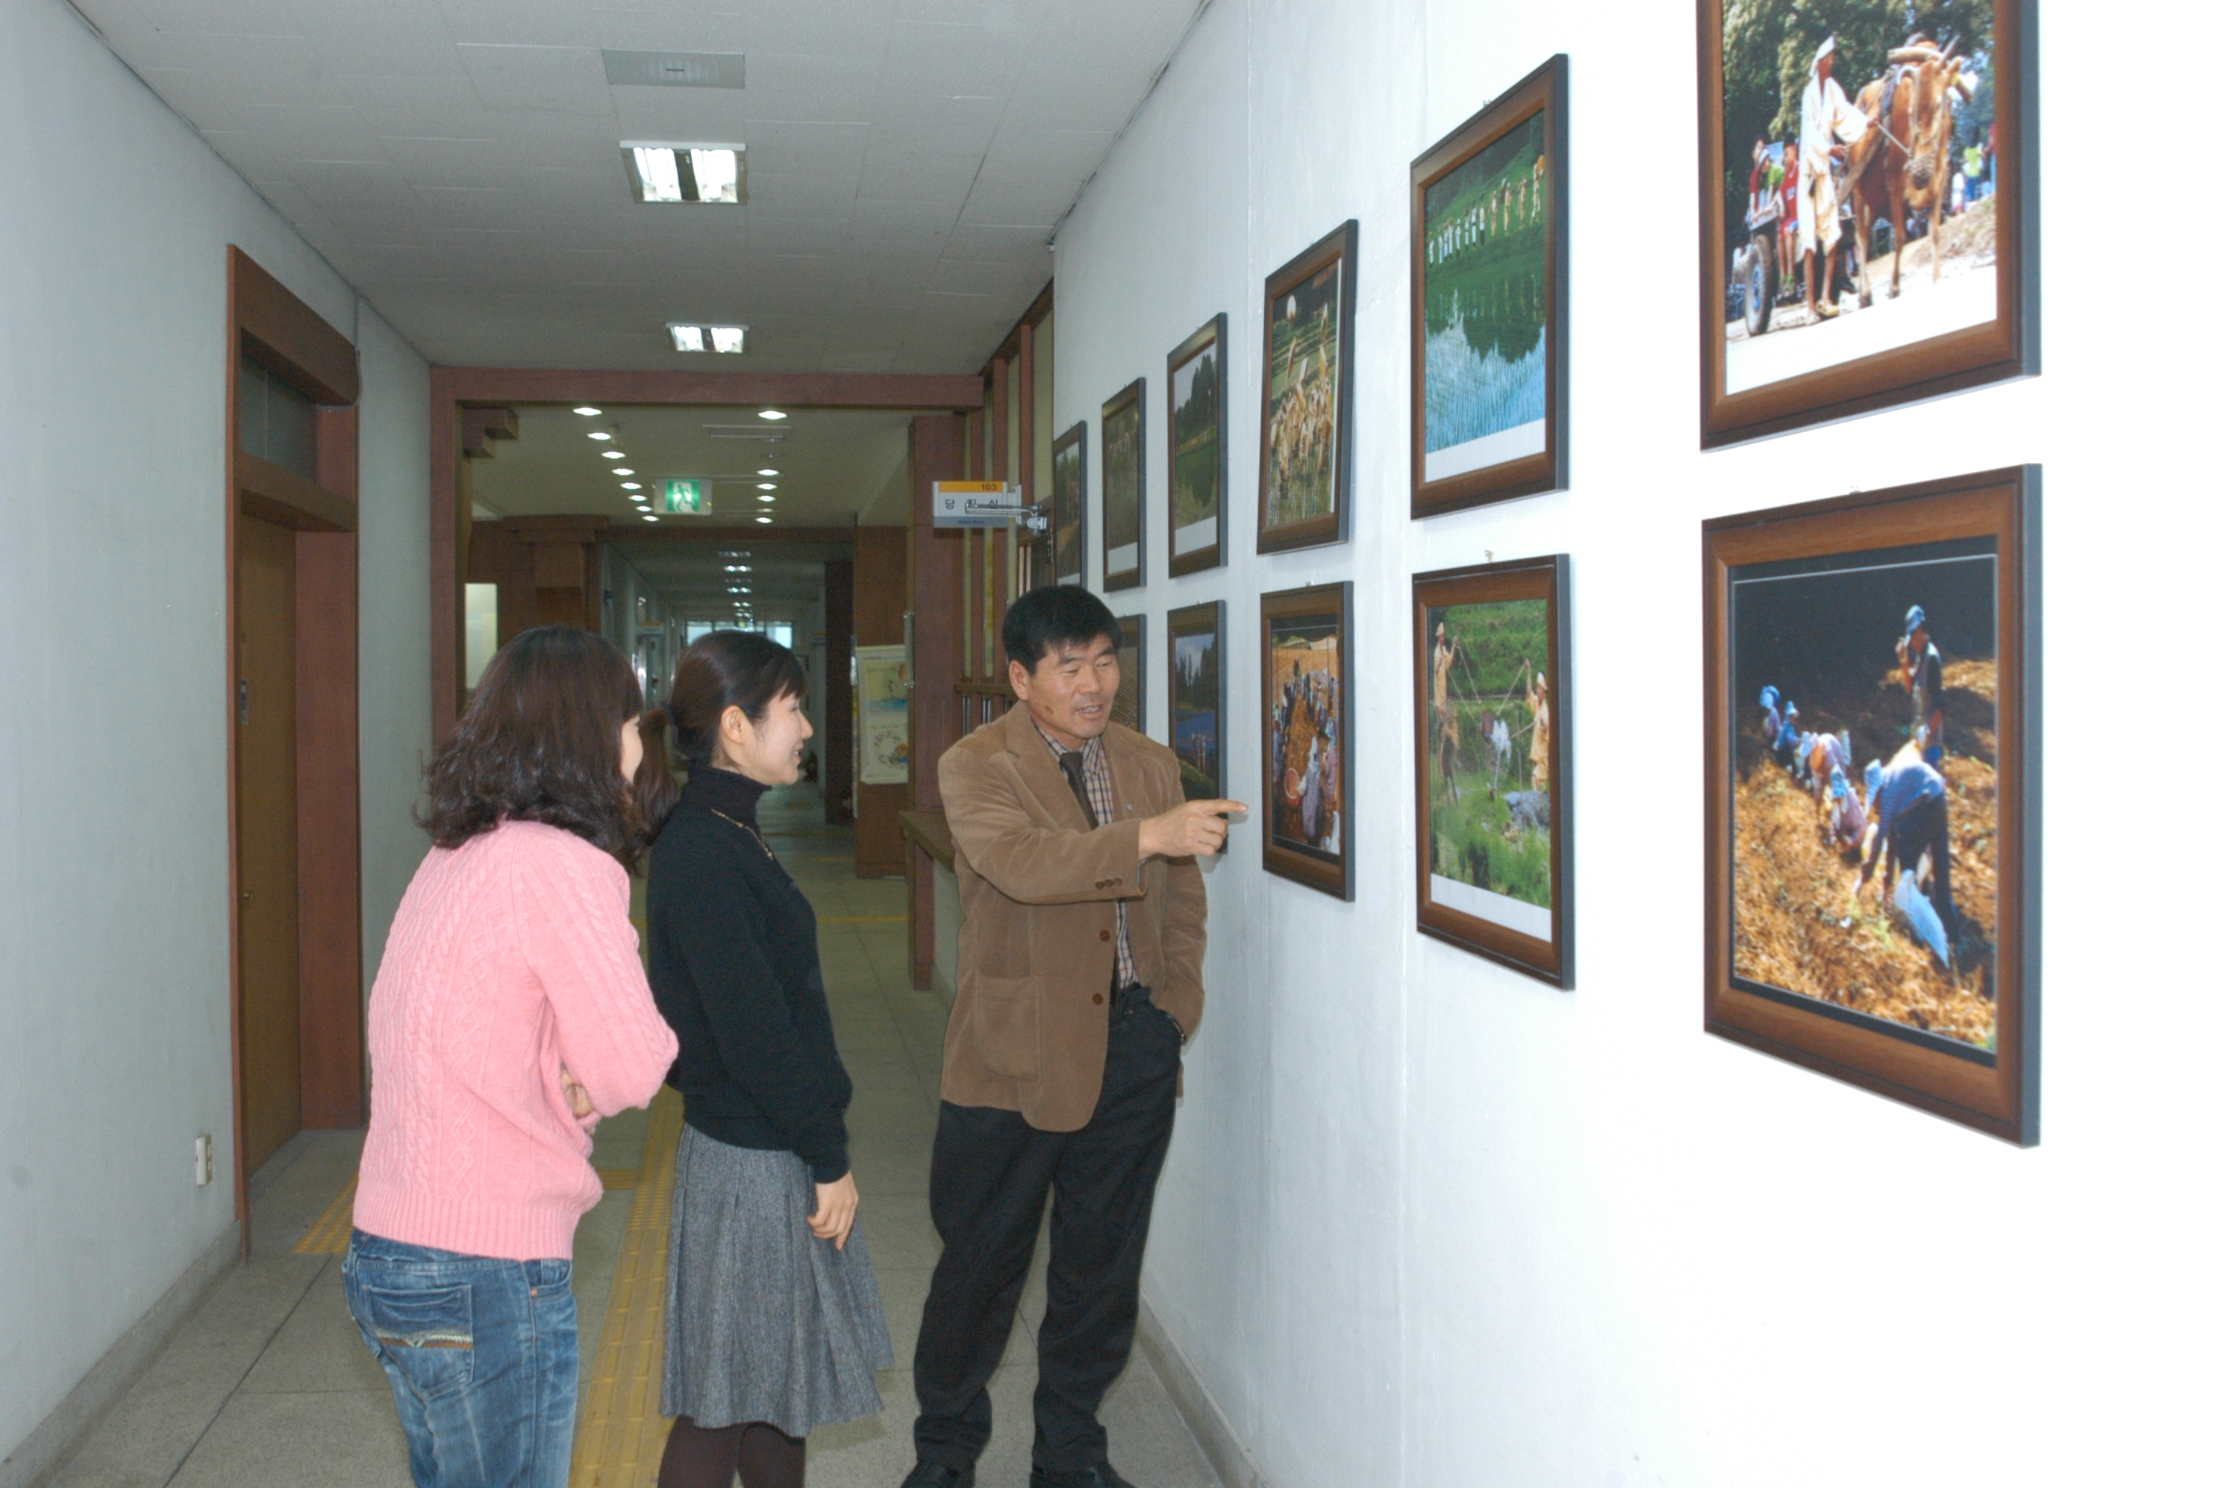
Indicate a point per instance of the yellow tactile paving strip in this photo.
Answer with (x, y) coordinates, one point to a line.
(620, 1433)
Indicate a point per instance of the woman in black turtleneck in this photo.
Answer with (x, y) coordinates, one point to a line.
(774, 1322)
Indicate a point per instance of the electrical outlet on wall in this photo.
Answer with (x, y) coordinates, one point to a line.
(205, 1160)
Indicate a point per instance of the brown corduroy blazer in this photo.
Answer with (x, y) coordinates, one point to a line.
(1034, 959)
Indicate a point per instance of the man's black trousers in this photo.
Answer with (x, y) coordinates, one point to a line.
(991, 1172)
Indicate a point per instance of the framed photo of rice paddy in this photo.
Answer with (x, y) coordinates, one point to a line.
(1306, 401)
(1868, 207)
(1067, 514)
(1493, 762)
(1871, 791)
(1127, 706)
(1306, 735)
(1489, 321)
(1194, 699)
(1122, 471)
(1198, 450)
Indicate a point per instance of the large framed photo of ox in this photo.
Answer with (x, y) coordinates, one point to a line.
(1198, 450)
(1306, 399)
(1194, 693)
(1493, 762)
(1869, 215)
(1122, 469)
(1306, 762)
(1127, 706)
(1489, 324)
(1871, 794)
(1067, 514)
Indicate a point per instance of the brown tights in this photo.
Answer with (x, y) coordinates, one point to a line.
(707, 1456)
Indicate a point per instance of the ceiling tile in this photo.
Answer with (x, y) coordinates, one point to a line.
(564, 23)
(450, 162)
(236, 17)
(513, 79)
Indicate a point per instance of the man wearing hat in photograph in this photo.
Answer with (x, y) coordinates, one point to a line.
(1825, 119)
(1923, 666)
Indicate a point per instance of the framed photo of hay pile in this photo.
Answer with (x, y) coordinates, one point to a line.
(1306, 397)
(1198, 450)
(1869, 212)
(1067, 515)
(1871, 791)
(1122, 472)
(1493, 762)
(1489, 325)
(1306, 736)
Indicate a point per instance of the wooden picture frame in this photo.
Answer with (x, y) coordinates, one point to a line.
(1493, 762)
(1068, 509)
(1198, 475)
(1762, 371)
(1489, 219)
(1824, 742)
(1306, 713)
(1197, 711)
(1306, 407)
(1120, 471)
(1127, 705)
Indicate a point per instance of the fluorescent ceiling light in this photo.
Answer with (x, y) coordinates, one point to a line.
(765, 521)
(728, 340)
(766, 500)
(766, 472)
(664, 173)
(629, 485)
(612, 455)
(764, 486)
(731, 340)
(624, 470)
(650, 517)
(686, 338)
(598, 434)
(588, 411)
(773, 413)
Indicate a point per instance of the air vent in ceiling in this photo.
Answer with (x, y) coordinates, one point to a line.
(676, 69)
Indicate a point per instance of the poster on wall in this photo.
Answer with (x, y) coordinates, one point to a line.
(1194, 711)
(1870, 714)
(1198, 450)
(1067, 517)
(1122, 471)
(1306, 403)
(1306, 690)
(1490, 324)
(1127, 705)
(1493, 762)
(1868, 200)
(883, 715)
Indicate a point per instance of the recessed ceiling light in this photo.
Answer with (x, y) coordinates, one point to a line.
(766, 500)
(764, 486)
(765, 521)
(612, 455)
(729, 340)
(686, 338)
(708, 174)
(598, 434)
(766, 472)
(629, 485)
(650, 517)
(588, 411)
(624, 470)
(773, 413)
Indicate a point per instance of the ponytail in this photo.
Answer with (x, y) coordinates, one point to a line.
(654, 788)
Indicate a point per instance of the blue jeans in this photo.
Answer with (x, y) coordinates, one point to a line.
(480, 1354)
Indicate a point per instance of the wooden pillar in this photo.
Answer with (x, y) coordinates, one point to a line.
(562, 568)
(937, 663)
(839, 696)
(881, 594)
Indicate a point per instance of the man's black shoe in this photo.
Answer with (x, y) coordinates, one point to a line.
(1095, 1477)
(934, 1475)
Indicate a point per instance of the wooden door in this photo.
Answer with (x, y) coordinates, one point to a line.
(265, 798)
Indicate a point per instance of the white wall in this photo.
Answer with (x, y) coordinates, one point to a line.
(114, 221)
(1431, 1223)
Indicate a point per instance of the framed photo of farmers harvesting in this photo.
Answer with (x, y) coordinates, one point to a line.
(1122, 470)
(1871, 791)
(1306, 736)
(1306, 398)
(1198, 450)
(1194, 699)
(1869, 210)
(1068, 516)
(1493, 762)
(1489, 323)
(1127, 705)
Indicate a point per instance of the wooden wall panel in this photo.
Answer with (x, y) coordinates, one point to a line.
(881, 595)
(839, 698)
(938, 665)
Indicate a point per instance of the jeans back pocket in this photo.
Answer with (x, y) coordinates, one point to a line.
(425, 1334)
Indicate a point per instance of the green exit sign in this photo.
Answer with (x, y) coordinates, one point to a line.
(686, 495)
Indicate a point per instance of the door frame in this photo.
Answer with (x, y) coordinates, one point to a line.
(267, 322)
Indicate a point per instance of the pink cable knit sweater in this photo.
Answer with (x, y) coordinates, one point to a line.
(509, 957)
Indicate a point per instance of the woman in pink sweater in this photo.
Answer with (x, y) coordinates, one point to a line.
(510, 1011)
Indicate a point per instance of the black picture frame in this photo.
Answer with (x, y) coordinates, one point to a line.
(1128, 704)
(1197, 698)
(1204, 354)
(1299, 719)
(1295, 423)
(1120, 468)
(1068, 508)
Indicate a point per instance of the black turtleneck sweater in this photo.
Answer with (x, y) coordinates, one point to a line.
(732, 948)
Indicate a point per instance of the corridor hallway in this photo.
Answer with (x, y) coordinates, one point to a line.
(268, 1385)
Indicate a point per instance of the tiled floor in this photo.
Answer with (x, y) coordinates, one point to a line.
(268, 1385)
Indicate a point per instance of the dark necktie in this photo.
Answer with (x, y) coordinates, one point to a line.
(1071, 763)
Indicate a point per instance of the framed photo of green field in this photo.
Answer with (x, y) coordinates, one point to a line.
(1067, 514)
(1127, 704)
(1194, 699)
(1869, 214)
(1871, 791)
(1493, 762)
(1306, 762)
(1489, 323)
(1198, 450)
(1306, 402)
(1121, 469)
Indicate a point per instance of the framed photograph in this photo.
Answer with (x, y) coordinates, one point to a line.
(1306, 687)
(1122, 467)
(1127, 708)
(1493, 762)
(1306, 405)
(1489, 321)
(1194, 712)
(1869, 207)
(1067, 517)
(1871, 791)
(1198, 450)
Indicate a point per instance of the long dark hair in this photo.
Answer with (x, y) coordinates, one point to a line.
(724, 669)
(541, 741)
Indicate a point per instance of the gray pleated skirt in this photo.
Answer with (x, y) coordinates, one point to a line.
(765, 1321)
